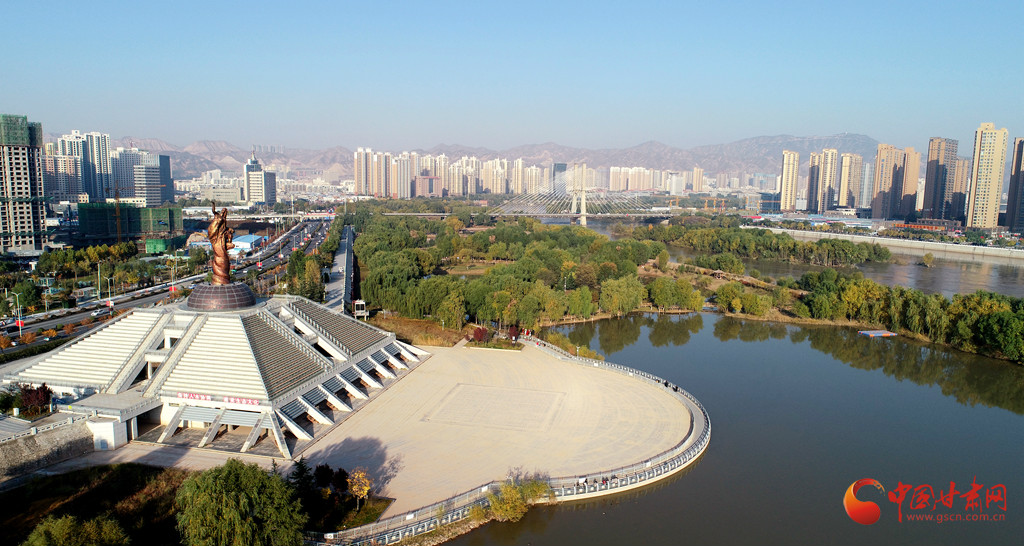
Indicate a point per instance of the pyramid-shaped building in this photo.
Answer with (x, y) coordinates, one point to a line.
(228, 373)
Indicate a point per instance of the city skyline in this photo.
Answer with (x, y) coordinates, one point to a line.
(582, 75)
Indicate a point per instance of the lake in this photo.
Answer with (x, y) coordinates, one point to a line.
(799, 414)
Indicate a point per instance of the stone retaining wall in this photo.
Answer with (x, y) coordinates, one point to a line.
(32, 452)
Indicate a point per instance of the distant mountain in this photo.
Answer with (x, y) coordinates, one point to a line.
(154, 145)
(753, 155)
(219, 147)
(761, 154)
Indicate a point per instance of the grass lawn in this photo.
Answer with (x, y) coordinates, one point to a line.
(419, 331)
(139, 497)
(369, 512)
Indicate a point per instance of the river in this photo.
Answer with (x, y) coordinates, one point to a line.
(946, 276)
(799, 414)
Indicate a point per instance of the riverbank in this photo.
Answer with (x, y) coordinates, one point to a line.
(946, 251)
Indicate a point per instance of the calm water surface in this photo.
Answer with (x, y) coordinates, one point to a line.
(799, 414)
(947, 277)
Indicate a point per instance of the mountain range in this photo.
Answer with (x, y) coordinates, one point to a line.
(761, 154)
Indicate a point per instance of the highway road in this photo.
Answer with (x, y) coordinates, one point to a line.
(278, 252)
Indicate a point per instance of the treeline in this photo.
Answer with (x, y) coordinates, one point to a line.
(705, 237)
(983, 322)
(541, 273)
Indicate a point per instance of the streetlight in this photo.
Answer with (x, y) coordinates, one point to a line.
(174, 269)
(20, 322)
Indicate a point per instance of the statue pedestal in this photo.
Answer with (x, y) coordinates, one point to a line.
(221, 297)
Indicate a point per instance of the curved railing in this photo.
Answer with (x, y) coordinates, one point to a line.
(607, 481)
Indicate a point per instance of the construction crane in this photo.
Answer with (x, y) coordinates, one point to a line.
(715, 201)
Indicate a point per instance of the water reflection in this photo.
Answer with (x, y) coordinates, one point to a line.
(968, 379)
(948, 275)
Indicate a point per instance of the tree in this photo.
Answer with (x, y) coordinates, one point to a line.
(621, 295)
(928, 260)
(662, 260)
(5, 343)
(663, 292)
(509, 504)
(359, 484)
(322, 475)
(238, 504)
(50, 333)
(27, 338)
(69, 329)
(69, 531)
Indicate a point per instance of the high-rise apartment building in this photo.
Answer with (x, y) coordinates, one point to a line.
(814, 190)
(961, 186)
(987, 169)
(362, 170)
(94, 149)
(151, 178)
(518, 177)
(1015, 195)
(788, 180)
(260, 185)
(867, 186)
(938, 179)
(851, 172)
(822, 178)
(153, 185)
(533, 179)
(22, 208)
(911, 176)
(401, 176)
(62, 178)
(895, 186)
(698, 180)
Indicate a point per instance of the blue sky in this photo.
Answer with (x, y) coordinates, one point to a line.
(405, 75)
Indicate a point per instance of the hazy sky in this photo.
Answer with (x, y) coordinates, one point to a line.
(499, 74)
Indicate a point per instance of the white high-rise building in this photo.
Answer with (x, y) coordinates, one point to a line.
(260, 185)
(94, 149)
(851, 172)
(788, 180)
(987, 169)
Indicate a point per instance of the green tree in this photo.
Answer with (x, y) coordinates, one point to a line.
(662, 260)
(69, 531)
(621, 295)
(452, 310)
(238, 504)
(663, 292)
(581, 302)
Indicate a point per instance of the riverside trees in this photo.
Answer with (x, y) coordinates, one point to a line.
(982, 322)
(539, 273)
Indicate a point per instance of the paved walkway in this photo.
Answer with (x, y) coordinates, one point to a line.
(467, 416)
(159, 455)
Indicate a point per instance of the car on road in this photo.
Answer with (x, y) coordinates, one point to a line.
(105, 312)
